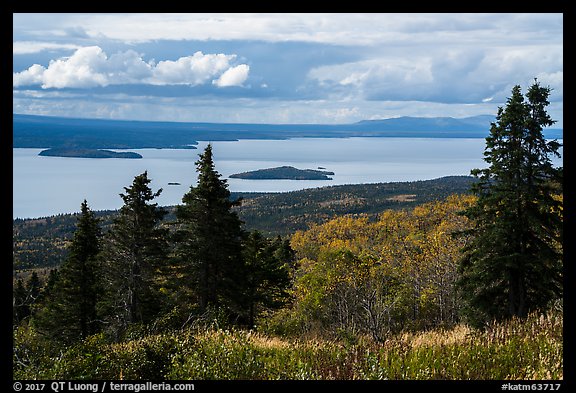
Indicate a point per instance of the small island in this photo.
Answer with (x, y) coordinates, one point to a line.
(87, 153)
(284, 172)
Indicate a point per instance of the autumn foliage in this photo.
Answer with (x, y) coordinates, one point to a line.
(376, 277)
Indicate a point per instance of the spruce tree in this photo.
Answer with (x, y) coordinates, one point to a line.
(33, 292)
(20, 307)
(48, 290)
(513, 263)
(267, 266)
(33, 288)
(133, 254)
(208, 241)
(69, 311)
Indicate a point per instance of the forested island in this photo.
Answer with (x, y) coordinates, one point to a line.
(88, 153)
(283, 173)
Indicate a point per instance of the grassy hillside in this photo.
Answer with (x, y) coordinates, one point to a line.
(528, 349)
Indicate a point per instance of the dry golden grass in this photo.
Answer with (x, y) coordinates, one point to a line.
(456, 335)
(268, 342)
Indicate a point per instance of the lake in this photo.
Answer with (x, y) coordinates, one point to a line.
(45, 186)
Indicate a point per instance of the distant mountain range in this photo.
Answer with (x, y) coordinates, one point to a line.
(57, 132)
(436, 124)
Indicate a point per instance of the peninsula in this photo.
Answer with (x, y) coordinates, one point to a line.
(284, 172)
(87, 153)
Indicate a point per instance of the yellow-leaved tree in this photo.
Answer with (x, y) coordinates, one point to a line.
(359, 276)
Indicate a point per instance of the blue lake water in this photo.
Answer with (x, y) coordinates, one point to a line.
(45, 186)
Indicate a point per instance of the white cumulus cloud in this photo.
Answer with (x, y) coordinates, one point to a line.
(234, 76)
(85, 68)
(92, 67)
(31, 76)
(191, 70)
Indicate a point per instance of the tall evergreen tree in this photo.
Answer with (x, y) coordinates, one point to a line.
(33, 288)
(267, 266)
(33, 293)
(48, 290)
(208, 241)
(20, 307)
(513, 263)
(133, 253)
(69, 312)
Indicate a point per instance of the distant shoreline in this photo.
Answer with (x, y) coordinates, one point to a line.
(33, 131)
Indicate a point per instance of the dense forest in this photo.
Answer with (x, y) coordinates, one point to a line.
(42, 242)
(458, 278)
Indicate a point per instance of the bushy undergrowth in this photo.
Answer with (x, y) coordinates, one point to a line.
(517, 349)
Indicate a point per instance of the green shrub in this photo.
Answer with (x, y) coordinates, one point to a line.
(32, 355)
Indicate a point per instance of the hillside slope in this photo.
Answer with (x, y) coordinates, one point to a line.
(42, 242)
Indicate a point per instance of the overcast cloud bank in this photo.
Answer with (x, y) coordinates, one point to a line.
(292, 68)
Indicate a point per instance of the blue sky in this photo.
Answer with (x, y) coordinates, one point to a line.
(281, 68)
